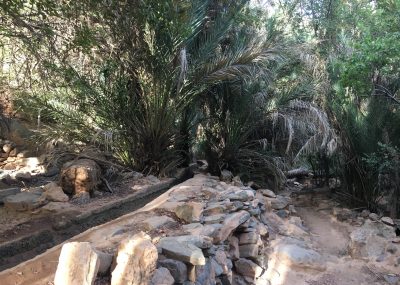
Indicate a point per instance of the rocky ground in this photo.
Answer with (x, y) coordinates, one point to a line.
(208, 231)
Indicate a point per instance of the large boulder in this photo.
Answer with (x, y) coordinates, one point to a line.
(80, 176)
(136, 261)
(78, 264)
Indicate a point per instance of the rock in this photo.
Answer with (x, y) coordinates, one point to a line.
(24, 201)
(365, 214)
(248, 268)
(373, 217)
(343, 214)
(248, 238)
(225, 263)
(23, 176)
(392, 279)
(78, 264)
(294, 255)
(55, 207)
(292, 210)
(81, 198)
(242, 195)
(214, 210)
(279, 202)
(8, 192)
(205, 275)
(234, 247)
(13, 152)
(7, 148)
(283, 214)
(388, 221)
(80, 176)
(136, 261)
(236, 181)
(248, 250)
(177, 269)
(371, 239)
(157, 222)
(217, 267)
(190, 212)
(268, 193)
(199, 241)
(106, 260)
(226, 176)
(185, 252)
(54, 193)
(162, 277)
(231, 222)
(214, 219)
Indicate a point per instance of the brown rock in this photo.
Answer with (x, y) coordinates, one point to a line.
(248, 268)
(230, 224)
(53, 192)
(78, 264)
(248, 250)
(247, 238)
(136, 261)
(190, 212)
(80, 176)
(234, 247)
(7, 148)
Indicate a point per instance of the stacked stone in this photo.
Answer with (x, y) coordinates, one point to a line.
(221, 239)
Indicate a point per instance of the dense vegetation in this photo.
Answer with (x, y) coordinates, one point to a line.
(257, 89)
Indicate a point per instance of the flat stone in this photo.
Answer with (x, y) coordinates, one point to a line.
(53, 192)
(268, 193)
(214, 210)
(231, 222)
(248, 250)
(136, 261)
(23, 176)
(78, 264)
(214, 219)
(157, 222)
(242, 195)
(162, 276)
(199, 241)
(177, 269)
(248, 268)
(8, 192)
(279, 202)
(186, 252)
(190, 212)
(294, 255)
(55, 207)
(373, 217)
(248, 238)
(24, 201)
(388, 221)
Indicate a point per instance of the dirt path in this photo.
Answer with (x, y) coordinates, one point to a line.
(330, 239)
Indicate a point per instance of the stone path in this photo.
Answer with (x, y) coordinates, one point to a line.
(331, 240)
